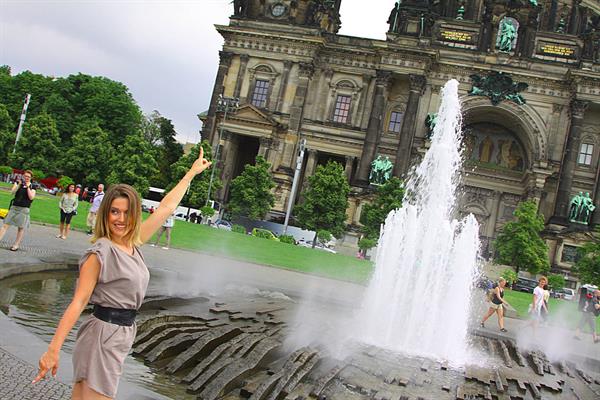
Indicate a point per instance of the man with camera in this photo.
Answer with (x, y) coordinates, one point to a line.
(18, 214)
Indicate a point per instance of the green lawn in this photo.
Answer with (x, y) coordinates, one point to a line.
(202, 238)
(562, 311)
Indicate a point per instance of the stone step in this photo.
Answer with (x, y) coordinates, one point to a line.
(173, 345)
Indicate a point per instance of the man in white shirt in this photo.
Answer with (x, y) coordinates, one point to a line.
(91, 217)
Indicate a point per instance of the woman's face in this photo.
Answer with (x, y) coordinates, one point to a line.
(118, 216)
(502, 284)
(70, 188)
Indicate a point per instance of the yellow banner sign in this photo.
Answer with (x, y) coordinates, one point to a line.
(556, 50)
(456, 36)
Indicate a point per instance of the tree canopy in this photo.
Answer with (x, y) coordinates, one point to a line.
(588, 264)
(520, 245)
(325, 201)
(251, 192)
(388, 197)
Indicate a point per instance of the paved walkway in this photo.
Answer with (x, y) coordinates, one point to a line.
(184, 273)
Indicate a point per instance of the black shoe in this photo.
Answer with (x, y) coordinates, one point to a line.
(503, 330)
(481, 325)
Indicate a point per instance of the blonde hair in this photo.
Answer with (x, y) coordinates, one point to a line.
(134, 214)
(544, 278)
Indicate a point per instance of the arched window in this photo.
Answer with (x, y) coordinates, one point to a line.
(262, 80)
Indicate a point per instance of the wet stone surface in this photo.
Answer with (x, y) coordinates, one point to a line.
(16, 377)
(236, 351)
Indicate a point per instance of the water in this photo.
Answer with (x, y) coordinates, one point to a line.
(37, 301)
(418, 300)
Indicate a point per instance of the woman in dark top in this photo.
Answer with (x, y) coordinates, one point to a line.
(18, 215)
(496, 304)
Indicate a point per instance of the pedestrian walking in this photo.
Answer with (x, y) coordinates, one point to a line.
(96, 201)
(166, 229)
(496, 299)
(537, 304)
(545, 309)
(590, 309)
(114, 278)
(18, 213)
(68, 208)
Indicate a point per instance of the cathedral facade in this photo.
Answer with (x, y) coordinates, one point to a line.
(529, 74)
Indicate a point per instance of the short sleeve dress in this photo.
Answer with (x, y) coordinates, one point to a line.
(101, 347)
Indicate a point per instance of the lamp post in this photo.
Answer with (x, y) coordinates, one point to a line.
(290, 204)
(224, 104)
(22, 120)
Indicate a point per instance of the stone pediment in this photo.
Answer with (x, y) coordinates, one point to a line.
(250, 114)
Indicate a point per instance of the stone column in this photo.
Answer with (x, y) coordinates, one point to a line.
(208, 130)
(374, 127)
(241, 74)
(574, 20)
(265, 144)
(363, 100)
(348, 168)
(407, 133)
(563, 196)
(227, 163)
(287, 65)
(305, 73)
(552, 16)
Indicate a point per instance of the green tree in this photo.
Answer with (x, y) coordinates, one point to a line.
(37, 147)
(365, 244)
(88, 160)
(7, 135)
(169, 151)
(198, 191)
(133, 163)
(325, 201)
(64, 181)
(520, 244)
(556, 281)
(387, 198)
(588, 264)
(509, 275)
(251, 192)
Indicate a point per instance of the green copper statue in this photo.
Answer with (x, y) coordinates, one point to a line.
(460, 13)
(533, 3)
(581, 208)
(381, 170)
(507, 35)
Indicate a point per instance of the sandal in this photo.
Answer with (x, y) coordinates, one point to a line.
(503, 330)
(481, 325)
(58, 236)
(13, 248)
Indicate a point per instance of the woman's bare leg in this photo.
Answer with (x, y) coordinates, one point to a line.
(489, 314)
(81, 391)
(500, 312)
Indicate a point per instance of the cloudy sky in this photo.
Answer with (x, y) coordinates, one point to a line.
(165, 51)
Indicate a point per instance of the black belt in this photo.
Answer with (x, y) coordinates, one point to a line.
(118, 316)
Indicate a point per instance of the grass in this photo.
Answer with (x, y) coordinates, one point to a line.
(564, 311)
(186, 235)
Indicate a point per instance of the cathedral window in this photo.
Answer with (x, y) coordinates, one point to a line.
(585, 154)
(395, 122)
(342, 109)
(260, 94)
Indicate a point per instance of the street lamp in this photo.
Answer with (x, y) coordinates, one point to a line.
(224, 105)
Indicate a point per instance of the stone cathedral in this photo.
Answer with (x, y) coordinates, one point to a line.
(529, 73)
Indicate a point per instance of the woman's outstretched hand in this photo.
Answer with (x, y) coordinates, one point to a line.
(48, 362)
(201, 163)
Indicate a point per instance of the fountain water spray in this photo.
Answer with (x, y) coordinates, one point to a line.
(418, 299)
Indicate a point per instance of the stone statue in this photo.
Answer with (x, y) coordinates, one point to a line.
(460, 13)
(533, 3)
(240, 8)
(381, 170)
(575, 207)
(393, 18)
(587, 207)
(562, 24)
(507, 35)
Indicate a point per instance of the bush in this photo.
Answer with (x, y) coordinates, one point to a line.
(556, 281)
(510, 275)
(37, 174)
(64, 181)
(238, 229)
(5, 170)
(261, 233)
(324, 236)
(207, 211)
(287, 239)
(365, 244)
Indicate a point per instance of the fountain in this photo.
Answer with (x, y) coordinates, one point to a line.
(419, 297)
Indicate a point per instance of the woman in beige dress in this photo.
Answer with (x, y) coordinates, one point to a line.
(113, 277)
